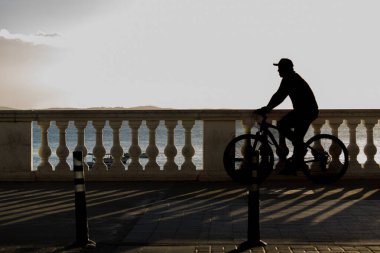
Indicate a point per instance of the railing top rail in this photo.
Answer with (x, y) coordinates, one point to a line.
(175, 114)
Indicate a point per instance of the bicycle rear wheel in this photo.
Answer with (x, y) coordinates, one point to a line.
(326, 159)
(238, 159)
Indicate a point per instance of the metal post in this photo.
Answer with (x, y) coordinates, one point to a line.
(254, 216)
(253, 233)
(253, 161)
(82, 233)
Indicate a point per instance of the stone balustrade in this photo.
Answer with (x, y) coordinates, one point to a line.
(219, 127)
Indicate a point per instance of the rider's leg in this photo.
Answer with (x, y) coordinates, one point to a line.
(302, 125)
(284, 125)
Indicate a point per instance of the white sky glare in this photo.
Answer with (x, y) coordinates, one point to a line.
(186, 54)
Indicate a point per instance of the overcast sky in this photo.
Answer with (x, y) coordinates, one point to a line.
(186, 53)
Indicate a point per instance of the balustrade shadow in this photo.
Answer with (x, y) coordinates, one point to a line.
(344, 212)
(143, 213)
(43, 213)
(311, 213)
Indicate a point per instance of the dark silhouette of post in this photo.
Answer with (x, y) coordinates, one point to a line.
(82, 232)
(253, 235)
(253, 231)
(254, 216)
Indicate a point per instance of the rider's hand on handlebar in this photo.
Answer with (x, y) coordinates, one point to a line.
(262, 111)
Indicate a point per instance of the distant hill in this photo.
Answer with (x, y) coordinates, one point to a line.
(7, 108)
(60, 108)
(144, 107)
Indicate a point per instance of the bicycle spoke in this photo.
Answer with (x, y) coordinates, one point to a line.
(238, 159)
(327, 158)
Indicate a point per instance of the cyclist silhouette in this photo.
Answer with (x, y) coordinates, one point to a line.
(305, 110)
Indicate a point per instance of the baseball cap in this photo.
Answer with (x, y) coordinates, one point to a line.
(284, 62)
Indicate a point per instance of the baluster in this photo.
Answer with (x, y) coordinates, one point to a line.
(334, 125)
(170, 149)
(334, 150)
(44, 152)
(370, 148)
(353, 148)
(317, 125)
(152, 150)
(99, 151)
(188, 149)
(247, 124)
(62, 150)
(81, 125)
(116, 150)
(134, 150)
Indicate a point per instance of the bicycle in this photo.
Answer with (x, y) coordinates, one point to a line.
(249, 158)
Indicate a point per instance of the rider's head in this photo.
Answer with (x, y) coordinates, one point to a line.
(285, 66)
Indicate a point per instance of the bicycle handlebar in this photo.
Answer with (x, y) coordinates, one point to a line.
(262, 114)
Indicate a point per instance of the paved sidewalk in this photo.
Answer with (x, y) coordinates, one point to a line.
(191, 217)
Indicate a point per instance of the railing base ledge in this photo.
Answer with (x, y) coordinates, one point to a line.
(213, 176)
(18, 176)
(54, 176)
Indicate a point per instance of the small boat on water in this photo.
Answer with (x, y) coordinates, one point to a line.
(108, 159)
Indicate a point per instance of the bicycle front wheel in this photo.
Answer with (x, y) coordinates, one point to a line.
(238, 157)
(326, 159)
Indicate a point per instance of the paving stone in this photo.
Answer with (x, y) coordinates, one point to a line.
(303, 247)
(180, 249)
(203, 249)
(128, 249)
(154, 249)
(141, 237)
(228, 247)
(361, 248)
(144, 228)
(336, 249)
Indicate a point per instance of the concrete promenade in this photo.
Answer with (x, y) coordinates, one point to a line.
(296, 216)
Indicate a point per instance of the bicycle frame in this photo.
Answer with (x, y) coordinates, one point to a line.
(325, 159)
(265, 134)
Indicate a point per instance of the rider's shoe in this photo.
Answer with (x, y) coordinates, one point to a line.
(286, 168)
(281, 164)
(298, 166)
(287, 172)
(291, 168)
(282, 152)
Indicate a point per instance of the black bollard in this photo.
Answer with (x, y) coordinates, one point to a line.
(254, 204)
(253, 233)
(82, 233)
(254, 216)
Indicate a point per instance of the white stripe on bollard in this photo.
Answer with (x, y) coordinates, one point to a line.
(77, 163)
(78, 174)
(79, 188)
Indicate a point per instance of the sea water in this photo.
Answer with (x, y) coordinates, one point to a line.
(161, 140)
(125, 141)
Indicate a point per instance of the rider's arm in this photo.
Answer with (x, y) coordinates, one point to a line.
(278, 97)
